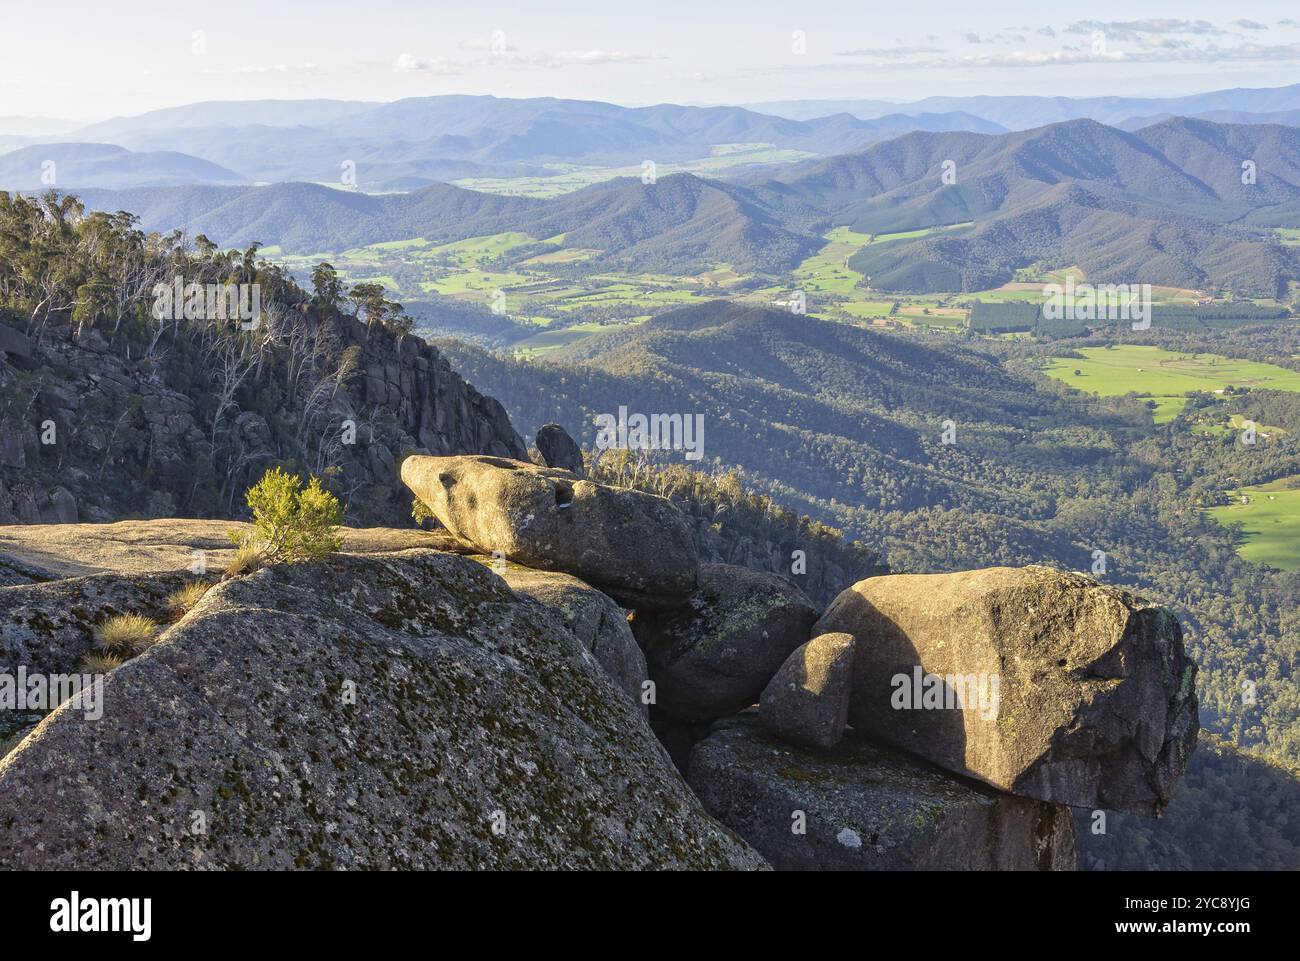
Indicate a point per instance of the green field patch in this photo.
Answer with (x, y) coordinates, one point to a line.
(828, 270)
(866, 309)
(1035, 291)
(476, 285)
(952, 317)
(570, 255)
(552, 340)
(920, 232)
(475, 250)
(1164, 376)
(566, 178)
(1237, 422)
(1288, 235)
(412, 244)
(1270, 522)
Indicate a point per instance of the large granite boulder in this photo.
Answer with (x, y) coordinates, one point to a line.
(636, 547)
(596, 622)
(713, 655)
(383, 711)
(559, 450)
(864, 807)
(807, 700)
(1039, 682)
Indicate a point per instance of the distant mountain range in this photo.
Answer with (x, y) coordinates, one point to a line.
(1024, 112)
(413, 142)
(1151, 206)
(71, 166)
(423, 139)
(1287, 118)
(1165, 204)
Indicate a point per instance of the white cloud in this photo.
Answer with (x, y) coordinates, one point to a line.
(406, 63)
(266, 68)
(586, 57)
(1152, 50)
(887, 52)
(1133, 29)
(497, 44)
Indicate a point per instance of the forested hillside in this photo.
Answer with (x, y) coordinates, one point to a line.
(112, 409)
(847, 425)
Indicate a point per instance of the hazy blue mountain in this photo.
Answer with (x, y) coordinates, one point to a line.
(90, 165)
(309, 218)
(1126, 207)
(1287, 118)
(1190, 166)
(421, 139)
(227, 113)
(1023, 112)
(678, 223)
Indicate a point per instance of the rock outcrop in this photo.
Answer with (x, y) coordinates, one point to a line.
(117, 418)
(388, 711)
(559, 450)
(867, 808)
(1086, 695)
(807, 700)
(713, 655)
(42, 553)
(635, 547)
(595, 621)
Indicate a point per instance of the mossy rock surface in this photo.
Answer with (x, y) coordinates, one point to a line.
(49, 627)
(402, 710)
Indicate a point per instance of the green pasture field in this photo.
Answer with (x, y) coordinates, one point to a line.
(1164, 376)
(566, 178)
(1270, 523)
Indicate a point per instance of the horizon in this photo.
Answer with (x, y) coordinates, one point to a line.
(161, 56)
(755, 106)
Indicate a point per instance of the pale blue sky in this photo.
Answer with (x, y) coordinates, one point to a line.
(87, 60)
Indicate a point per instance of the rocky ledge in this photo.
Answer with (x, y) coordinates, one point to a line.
(527, 685)
(402, 710)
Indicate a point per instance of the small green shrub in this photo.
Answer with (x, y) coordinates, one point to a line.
(126, 634)
(420, 511)
(291, 522)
